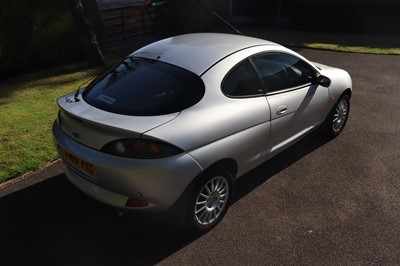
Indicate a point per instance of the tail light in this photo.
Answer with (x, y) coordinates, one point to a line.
(140, 149)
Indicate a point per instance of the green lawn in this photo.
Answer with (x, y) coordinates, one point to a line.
(28, 103)
(27, 111)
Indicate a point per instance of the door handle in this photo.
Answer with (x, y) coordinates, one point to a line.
(281, 109)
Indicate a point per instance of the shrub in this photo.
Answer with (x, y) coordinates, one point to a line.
(345, 15)
(184, 16)
(39, 33)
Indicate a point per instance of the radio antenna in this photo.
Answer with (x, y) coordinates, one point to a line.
(226, 22)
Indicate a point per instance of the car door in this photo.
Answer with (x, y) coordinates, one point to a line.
(297, 102)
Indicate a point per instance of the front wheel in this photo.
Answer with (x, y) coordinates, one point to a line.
(338, 116)
(210, 201)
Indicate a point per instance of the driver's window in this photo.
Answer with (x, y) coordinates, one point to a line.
(281, 71)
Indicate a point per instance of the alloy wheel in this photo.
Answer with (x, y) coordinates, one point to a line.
(212, 200)
(340, 115)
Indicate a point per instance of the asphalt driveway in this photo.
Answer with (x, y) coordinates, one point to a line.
(319, 203)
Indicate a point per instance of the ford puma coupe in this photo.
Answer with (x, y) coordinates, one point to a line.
(178, 121)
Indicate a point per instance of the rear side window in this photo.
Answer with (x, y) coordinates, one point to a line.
(242, 81)
(143, 87)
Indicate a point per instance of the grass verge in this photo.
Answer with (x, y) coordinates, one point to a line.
(27, 110)
(355, 43)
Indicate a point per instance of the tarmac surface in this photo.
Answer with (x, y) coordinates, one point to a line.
(318, 203)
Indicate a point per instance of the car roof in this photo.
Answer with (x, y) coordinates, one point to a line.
(197, 52)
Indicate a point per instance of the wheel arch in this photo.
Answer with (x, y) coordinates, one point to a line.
(347, 92)
(227, 164)
(337, 96)
(327, 124)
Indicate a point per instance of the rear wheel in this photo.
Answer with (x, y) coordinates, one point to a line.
(210, 201)
(338, 116)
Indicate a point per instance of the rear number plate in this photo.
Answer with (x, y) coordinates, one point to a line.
(83, 166)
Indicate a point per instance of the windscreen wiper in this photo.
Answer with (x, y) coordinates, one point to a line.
(76, 96)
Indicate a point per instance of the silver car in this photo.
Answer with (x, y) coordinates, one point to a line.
(178, 121)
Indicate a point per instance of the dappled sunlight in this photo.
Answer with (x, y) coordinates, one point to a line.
(353, 49)
(356, 42)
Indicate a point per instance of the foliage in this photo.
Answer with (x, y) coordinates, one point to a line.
(322, 15)
(87, 36)
(344, 15)
(39, 33)
(184, 16)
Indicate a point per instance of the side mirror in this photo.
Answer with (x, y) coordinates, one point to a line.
(324, 81)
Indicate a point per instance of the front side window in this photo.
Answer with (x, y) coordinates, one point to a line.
(144, 87)
(242, 81)
(281, 71)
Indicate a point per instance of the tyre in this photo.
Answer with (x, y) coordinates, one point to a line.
(210, 201)
(337, 118)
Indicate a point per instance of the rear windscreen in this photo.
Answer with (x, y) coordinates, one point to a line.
(144, 87)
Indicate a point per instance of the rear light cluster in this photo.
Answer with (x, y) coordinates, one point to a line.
(140, 149)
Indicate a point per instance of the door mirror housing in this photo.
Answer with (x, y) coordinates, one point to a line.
(324, 81)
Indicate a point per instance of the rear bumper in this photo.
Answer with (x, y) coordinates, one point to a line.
(160, 182)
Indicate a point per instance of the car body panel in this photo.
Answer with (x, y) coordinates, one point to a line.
(246, 130)
(95, 127)
(160, 182)
(218, 117)
(198, 51)
(293, 112)
(340, 78)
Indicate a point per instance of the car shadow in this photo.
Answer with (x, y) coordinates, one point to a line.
(251, 180)
(54, 223)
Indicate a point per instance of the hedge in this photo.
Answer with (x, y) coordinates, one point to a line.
(40, 33)
(345, 15)
(369, 16)
(183, 16)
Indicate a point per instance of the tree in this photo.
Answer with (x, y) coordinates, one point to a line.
(90, 44)
(186, 16)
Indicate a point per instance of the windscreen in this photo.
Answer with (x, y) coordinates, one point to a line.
(143, 87)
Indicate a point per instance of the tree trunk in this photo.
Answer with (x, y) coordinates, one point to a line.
(88, 38)
(279, 11)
